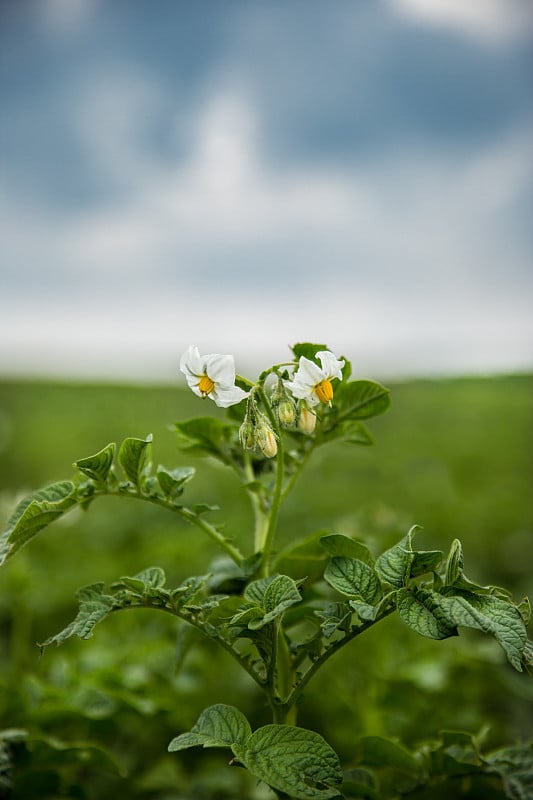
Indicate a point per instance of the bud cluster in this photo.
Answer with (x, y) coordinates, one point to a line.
(256, 432)
(283, 405)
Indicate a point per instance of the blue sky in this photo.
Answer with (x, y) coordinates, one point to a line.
(243, 175)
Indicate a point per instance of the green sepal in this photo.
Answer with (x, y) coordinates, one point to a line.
(134, 456)
(34, 513)
(98, 466)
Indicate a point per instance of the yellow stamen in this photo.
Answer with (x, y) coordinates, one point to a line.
(324, 391)
(206, 385)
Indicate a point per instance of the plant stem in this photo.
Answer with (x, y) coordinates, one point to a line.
(278, 486)
(334, 648)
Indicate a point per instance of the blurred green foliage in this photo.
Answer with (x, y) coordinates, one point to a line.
(454, 456)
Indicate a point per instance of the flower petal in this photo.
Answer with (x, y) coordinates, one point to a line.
(331, 366)
(308, 372)
(225, 397)
(191, 362)
(221, 369)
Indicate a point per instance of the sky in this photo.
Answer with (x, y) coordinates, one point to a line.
(243, 175)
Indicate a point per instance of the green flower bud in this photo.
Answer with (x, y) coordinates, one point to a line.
(247, 435)
(286, 413)
(266, 439)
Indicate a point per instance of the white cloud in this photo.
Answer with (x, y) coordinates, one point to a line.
(489, 20)
(398, 262)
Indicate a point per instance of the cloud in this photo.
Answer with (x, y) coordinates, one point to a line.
(408, 261)
(492, 21)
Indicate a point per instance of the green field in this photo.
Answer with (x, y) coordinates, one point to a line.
(453, 456)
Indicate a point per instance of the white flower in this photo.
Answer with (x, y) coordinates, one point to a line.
(313, 383)
(212, 376)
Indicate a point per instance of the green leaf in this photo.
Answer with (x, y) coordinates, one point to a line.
(206, 436)
(308, 350)
(515, 767)
(394, 565)
(376, 751)
(218, 726)
(361, 399)
(34, 513)
(353, 578)
(97, 467)
(293, 760)
(133, 456)
(419, 611)
(152, 577)
(454, 563)
(172, 481)
(339, 545)
(336, 616)
(94, 607)
(489, 614)
(255, 591)
(425, 561)
(280, 594)
(360, 783)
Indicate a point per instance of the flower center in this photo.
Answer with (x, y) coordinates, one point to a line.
(206, 385)
(324, 391)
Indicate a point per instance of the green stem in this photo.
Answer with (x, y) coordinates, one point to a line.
(334, 648)
(260, 518)
(278, 487)
(233, 552)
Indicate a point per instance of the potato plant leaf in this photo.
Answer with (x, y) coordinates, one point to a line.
(97, 467)
(217, 726)
(133, 456)
(419, 611)
(34, 513)
(293, 760)
(353, 578)
(394, 565)
(336, 544)
(361, 399)
(172, 481)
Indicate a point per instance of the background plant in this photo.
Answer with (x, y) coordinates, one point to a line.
(261, 612)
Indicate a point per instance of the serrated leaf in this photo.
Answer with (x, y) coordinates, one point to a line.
(293, 760)
(394, 565)
(337, 544)
(454, 563)
(353, 578)
(97, 467)
(94, 607)
(376, 751)
(361, 399)
(217, 726)
(34, 513)
(280, 594)
(172, 481)
(308, 350)
(417, 609)
(133, 456)
(489, 614)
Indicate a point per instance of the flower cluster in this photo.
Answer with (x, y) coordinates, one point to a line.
(292, 401)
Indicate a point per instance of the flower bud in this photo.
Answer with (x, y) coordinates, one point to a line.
(286, 413)
(266, 439)
(247, 435)
(306, 420)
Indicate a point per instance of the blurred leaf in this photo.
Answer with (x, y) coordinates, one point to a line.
(34, 513)
(376, 751)
(361, 399)
(206, 436)
(97, 467)
(172, 481)
(307, 350)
